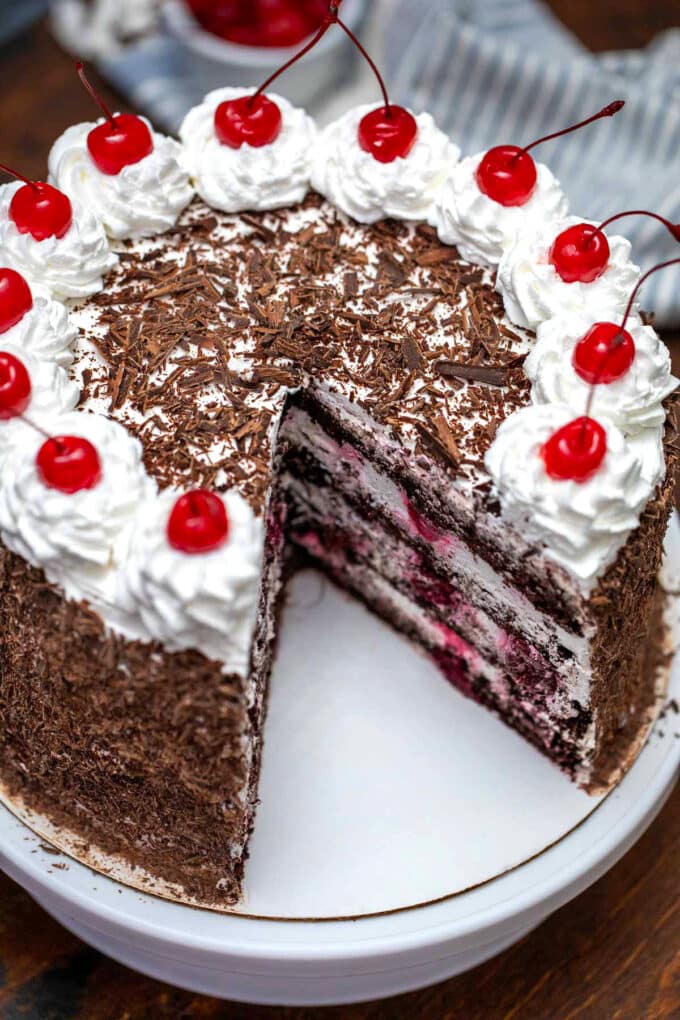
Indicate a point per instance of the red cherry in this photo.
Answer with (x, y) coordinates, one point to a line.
(40, 210)
(69, 464)
(198, 522)
(269, 23)
(388, 133)
(15, 299)
(604, 354)
(15, 387)
(249, 120)
(507, 174)
(575, 451)
(580, 253)
(120, 143)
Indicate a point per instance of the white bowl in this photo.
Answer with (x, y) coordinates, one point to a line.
(392, 848)
(216, 62)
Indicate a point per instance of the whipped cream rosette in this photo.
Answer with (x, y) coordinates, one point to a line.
(533, 291)
(52, 393)
(582, 524)
(634, 401)
(249, 177)
(72, 266)
(206, 601)
(145, 197)
(367, 189)
(483, 228)
(77, 538)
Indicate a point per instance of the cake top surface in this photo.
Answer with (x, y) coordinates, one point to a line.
(199, 336)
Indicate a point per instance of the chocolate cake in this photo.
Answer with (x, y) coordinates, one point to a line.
(269, 374)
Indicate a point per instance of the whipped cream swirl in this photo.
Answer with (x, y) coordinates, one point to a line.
(205, 601)
(144, 198)
(581, 524)
(71, 266)
(368, 190)
(483, 229)
(252, 177)
(632, 402)
(533, 291)
(76, 538)
(45, 331)
(52, 393)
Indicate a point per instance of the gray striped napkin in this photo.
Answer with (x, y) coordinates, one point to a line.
(507, 71)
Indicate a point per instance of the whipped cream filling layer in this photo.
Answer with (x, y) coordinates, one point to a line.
(352, 472)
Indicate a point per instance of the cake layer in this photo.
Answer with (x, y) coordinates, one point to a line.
(153, 757)
(484, 661)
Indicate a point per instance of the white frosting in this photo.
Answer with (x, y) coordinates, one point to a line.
(71, 266)
(632, 402)
(252, 177)
(533, 291)
(581, 524)
(483, 229)
(45, 331)
(207, 601)
(52, 393)
(368, 190)
(144, 198)
(76, 538)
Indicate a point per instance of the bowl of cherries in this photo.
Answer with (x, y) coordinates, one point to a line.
(238, 42)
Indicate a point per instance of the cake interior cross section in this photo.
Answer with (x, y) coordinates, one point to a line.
(267, 345)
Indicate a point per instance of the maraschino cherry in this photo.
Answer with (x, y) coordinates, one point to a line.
(69, 464)
(198, 522)
(575, 451)
(15, 298)
(389, 132)
(507, 174)
(270, 23)
(15, 386)
(580, 254)
(120, 141)
(39, 209)
(256, 120)
(65, 463)
(607, 350)
(597, 360)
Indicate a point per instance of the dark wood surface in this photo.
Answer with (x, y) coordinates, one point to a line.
(611, 954)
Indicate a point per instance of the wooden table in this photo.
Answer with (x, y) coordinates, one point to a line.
(611, 954)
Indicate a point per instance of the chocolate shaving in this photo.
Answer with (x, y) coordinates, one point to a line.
(491, 375)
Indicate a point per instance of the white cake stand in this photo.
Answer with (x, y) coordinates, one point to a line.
(404, 834)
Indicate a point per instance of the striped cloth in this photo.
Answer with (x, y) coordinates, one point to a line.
(493, 71)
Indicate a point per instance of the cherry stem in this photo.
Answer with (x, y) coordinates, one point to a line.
(672, 228)
(80, 68)
(329, 20)
(42, 432)
(19, 177)
(374, 67)
(608, 111)
(618, 339)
